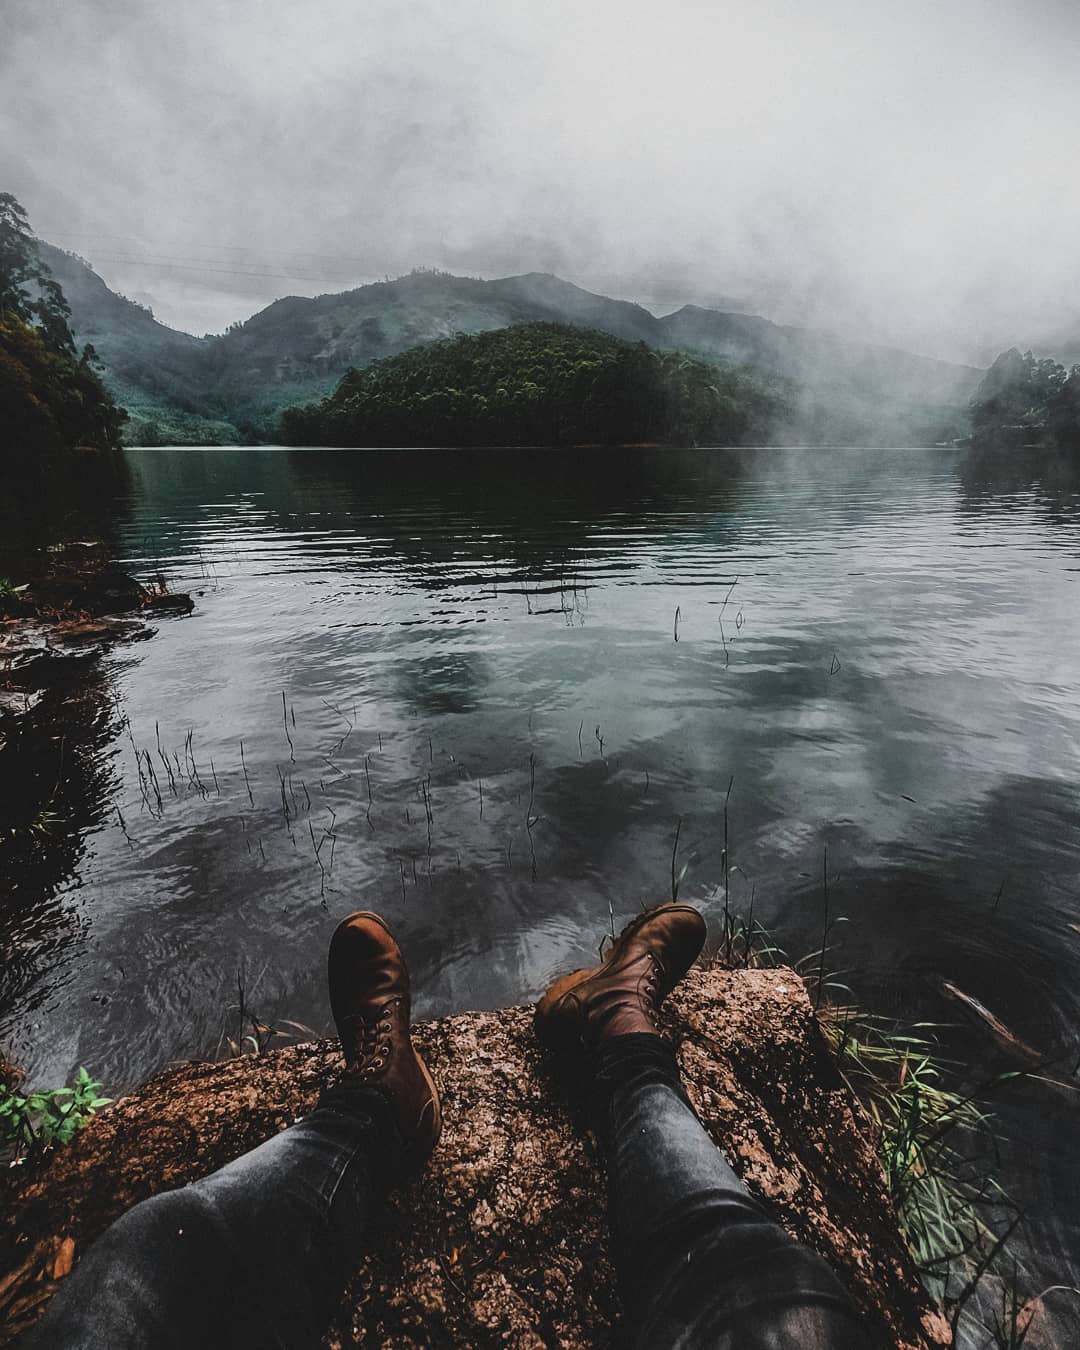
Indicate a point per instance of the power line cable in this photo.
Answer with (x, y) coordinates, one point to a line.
(49, 235)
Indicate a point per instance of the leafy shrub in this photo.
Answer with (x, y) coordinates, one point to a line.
(32, 1123)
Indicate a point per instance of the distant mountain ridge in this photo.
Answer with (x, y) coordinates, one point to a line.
(234, 386)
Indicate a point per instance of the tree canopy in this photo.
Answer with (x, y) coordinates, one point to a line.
(540, 383)
(51, 399)
(1025, 401)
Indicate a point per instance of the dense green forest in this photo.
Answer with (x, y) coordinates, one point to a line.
(541, 384)
(59, 427)
(1025, 401)
(51, 399)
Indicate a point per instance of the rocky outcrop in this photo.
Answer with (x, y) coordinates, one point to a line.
(503, 1241)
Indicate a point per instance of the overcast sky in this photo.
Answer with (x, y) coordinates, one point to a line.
(907, 171)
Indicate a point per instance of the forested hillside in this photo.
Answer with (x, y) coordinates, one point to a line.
(542, 384)
(1024, 401)
(59, 428)
(233, 387)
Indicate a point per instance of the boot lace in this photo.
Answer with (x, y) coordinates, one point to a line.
(372, 1040)
(652, 983)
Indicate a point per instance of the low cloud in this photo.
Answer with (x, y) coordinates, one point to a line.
(906, 173)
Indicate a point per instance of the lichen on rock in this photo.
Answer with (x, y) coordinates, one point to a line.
(503, 1240)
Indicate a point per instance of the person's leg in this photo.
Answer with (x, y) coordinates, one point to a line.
(700, 1261)
(256, 1255)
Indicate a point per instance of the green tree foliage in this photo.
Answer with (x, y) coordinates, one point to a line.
(1026, 401)
(51, 398)
(27, 289)
(540, 384)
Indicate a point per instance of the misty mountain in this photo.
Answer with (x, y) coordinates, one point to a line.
(234, 386)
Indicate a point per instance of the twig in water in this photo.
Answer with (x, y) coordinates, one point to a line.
(720, 620)
(123, 825)
(674, 859)
(322, 870)
(284, 801)
(530, 820)
(168, 769)
(825, 928)
(285, 722)
(247, 782)
(726, 864)
(152, 777)
(350, 725)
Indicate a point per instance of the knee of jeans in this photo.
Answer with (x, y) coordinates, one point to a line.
(163, 1220)
(808, 1326)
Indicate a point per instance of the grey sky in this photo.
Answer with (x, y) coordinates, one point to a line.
(908, 172)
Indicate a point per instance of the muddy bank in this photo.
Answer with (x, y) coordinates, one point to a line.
(503, 1241)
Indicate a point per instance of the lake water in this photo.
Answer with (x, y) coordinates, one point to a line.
(481, 692)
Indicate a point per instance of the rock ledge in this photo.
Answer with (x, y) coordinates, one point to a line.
(503, 1241)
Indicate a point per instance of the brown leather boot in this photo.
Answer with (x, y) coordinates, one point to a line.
(623, 994)
(369, 997)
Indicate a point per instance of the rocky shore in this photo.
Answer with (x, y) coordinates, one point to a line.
(69, 613)
(503, 1240)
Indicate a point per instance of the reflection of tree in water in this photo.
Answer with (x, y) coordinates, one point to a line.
(989, 478)
(55, 783)
(534, 511)
(84, 502)
(55, 787)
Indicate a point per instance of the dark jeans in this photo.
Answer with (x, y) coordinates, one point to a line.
(700, 1261)
(257, 1254)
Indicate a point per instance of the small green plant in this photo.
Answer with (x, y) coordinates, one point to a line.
(32, 1123)
(941, 1191)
